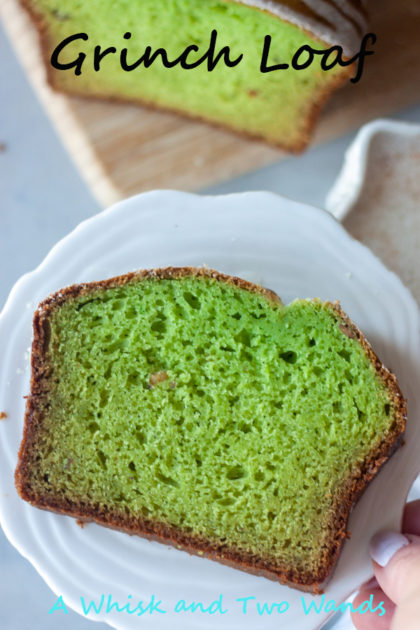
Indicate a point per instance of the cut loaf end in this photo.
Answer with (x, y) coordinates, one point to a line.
(280, 106)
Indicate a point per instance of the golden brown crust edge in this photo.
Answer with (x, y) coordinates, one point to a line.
(380, 453)
(308, 126)
(344, 499)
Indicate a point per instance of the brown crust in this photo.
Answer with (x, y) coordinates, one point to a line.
(342, 502)
(308, 125)
(164, 273)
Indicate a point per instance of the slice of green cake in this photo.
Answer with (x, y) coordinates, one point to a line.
(280, 106)
(195, 408)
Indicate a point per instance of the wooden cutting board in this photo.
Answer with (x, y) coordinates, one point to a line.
(124, 149)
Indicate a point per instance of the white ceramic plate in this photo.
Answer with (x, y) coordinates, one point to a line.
(294, 249)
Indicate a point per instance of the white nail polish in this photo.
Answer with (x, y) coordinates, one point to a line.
(384, 545)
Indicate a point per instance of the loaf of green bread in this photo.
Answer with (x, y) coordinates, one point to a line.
(280, 106)
(195, 408)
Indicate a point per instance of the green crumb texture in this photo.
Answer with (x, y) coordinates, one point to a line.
(278, 105)
(205, 406)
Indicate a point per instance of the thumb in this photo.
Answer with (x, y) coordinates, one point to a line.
(397, 568)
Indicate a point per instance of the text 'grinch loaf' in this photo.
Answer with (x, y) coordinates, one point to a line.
(244, 93)
(194, 408)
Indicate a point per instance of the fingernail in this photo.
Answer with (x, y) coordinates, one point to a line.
(384, 545)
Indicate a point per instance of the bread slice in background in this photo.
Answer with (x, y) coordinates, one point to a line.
(279, 106)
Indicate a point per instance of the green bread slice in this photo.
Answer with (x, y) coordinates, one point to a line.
(280, 106)
(195, 408)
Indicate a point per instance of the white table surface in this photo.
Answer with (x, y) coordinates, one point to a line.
(41, 199)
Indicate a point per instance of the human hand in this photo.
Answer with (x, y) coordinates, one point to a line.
(396, 564)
